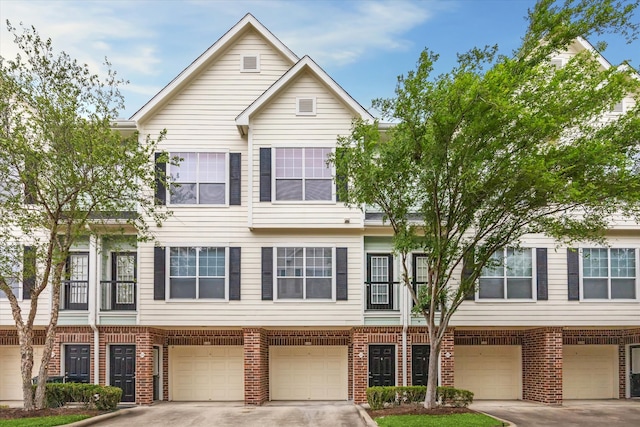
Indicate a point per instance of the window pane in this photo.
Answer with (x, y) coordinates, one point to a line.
(212, 194)
(318, 189)
(289, 189)
(124, 293)
(422, 270)
(495, 267)
(318, 288)
(182, 288)
(491, 288)
(379, 269)
(519, 288)
(289, 163)
(211, 288)
(125, 268)
(78, 267)
(379, 293)
(11, 268)
(519, 262)
(594, 262)
(595, 288)
(623, 263)
(318, 262)
(315, 163)
(186, 170)
(212, 262)
(212, 168)
(183, 194)
(182, 262)
(623, 288)
(290, 288)
(290, 262)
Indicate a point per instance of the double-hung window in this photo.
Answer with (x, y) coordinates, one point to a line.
(304, 273)
(608, 273)
(11, 270)
(197, 272)
(199, 179)
(303, 174)
(508, 276)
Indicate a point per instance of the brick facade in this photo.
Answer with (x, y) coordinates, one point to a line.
(542, 365)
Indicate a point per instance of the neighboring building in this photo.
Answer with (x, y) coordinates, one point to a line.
(262, 286)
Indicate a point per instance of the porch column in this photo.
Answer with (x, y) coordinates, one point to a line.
(542, 365)
(447, 359)
(144, 367)
(256, 366)
(360, 365)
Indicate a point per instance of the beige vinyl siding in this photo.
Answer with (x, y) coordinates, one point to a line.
(277, 125)
(251, 309)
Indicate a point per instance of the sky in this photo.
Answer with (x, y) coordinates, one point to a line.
(364, 45)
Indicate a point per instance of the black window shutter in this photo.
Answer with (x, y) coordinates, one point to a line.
(573, 274)
(234, 274)
(159, 275)
(341, 180)
(235, 189)
(28, 271)
(342, 289)
(161, 173)
(467, 270)
(265, 174)
(267, 274)
(542, 276)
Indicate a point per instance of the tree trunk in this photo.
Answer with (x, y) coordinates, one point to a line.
(49, 340)
(432, 379)
(25, 337)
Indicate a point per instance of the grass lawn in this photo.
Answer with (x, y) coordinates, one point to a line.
(55, 420)
(453, 420)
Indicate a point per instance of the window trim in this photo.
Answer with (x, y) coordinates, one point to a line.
(304, 287)
(608, 248)
(199, 205)
(168, 276)
(250, 70)
(534, 280)
(274, 178)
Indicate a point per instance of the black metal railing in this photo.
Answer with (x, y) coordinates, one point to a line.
(75, 295)
(382, 295)
(117, 295)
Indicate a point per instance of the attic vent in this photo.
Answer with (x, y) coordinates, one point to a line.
(557, 63)
(619, 107)
(306, 106)
(250, 63)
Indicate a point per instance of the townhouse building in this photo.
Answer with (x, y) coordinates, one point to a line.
(263, 286)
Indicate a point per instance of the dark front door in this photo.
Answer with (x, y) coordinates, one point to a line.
(635, 371)
(156, 373)
(77, 363)
(123, 370)
(382, 365)
(123, 273)
(420, 364)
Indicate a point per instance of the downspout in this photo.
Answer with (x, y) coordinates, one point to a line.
(93, 307)
(405, 327)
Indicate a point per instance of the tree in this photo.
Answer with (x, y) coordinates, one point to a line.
(497, 148)
(65, 173)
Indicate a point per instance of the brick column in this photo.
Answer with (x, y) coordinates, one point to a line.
(447, 359)
(256, 366)
(360, 366)
(542, 365)
(144, 367)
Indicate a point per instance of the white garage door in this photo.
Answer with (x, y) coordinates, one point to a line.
(206, 373)
(10, 374)
(590, 371)
(490, 372)
(308, 373)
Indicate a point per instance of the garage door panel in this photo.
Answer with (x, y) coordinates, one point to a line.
(308, 373)
(206, 373)
(10, 371)
(590, 372)
(490, 372)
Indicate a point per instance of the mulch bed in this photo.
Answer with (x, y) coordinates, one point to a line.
(417, 410)
(11, 413)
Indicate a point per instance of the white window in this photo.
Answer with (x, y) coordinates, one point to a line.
(303, 174)
(421, 273)
(200, 179)
(510, 275)
(380, 279)
(306, 106)
(608, 273)
(11, 270)
(250, 63)
(304, 273)
(197, 273)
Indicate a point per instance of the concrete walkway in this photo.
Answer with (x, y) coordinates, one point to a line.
(573, 413)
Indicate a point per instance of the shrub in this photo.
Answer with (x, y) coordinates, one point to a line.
(378, 397)
(411, 394)
(104, 398)
(449, 396)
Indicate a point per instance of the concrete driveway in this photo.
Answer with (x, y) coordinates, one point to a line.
(276, 414)
(578, 413)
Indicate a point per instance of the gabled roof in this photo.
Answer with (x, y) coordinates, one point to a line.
(248, 22)
(305, 64)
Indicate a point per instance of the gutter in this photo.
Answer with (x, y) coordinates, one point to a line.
(405, 327)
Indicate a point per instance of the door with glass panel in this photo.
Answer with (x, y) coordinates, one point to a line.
(123, 274)
(380, 282)
(76, 283)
